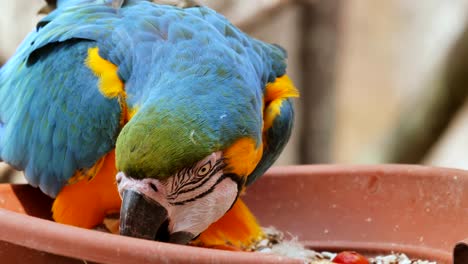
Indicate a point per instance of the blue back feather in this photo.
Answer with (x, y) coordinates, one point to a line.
(53, 120)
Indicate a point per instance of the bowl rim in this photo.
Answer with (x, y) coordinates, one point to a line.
(59, 239)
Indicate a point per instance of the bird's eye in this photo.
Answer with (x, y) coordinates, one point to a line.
(203, 170)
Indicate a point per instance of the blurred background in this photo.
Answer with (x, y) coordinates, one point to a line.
(380, 81)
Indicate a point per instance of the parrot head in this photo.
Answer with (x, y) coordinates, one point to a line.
(183, 160)
(179, 208)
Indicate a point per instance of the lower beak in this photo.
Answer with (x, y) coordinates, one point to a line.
(141, 217)
(181, 238)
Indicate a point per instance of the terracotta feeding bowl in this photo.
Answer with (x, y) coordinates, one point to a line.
(420, 211)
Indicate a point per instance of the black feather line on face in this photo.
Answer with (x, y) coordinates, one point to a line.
(181, 178)
(233, 177)
(200, 181)
(179, 189)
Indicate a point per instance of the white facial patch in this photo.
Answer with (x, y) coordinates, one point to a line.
(197, 216)
(194, 197)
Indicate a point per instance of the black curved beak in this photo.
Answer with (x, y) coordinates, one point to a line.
(142, 217)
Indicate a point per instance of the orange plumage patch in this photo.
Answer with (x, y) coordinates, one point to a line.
(85, 203)
(243, 156)
(275, 94)
(110, 84)
(237, 229)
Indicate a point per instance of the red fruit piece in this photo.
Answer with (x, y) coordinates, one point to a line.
(350, 257)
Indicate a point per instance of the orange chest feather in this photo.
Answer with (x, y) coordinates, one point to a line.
(86, 202)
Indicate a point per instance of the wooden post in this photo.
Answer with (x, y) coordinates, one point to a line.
(424, 120)
(320, 31)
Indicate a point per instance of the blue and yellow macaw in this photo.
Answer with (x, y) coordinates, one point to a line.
(166, 114)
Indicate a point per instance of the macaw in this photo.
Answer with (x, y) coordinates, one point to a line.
(161, 113)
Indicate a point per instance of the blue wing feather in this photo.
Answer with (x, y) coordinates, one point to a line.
(54, 120)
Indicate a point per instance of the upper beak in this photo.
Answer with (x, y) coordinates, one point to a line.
(142, 217)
